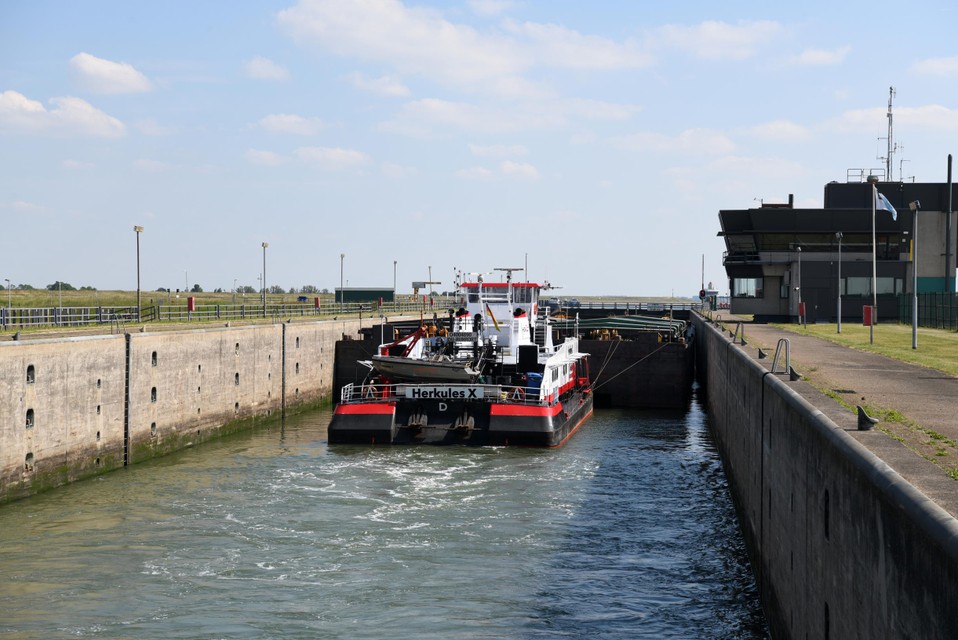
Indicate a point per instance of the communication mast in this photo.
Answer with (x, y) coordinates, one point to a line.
(892, 147)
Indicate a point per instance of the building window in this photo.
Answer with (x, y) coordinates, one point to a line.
(863, 286)
(31, 374)
(748, 288)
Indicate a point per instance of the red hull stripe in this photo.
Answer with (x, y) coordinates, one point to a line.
(366, 409)
(524, 410)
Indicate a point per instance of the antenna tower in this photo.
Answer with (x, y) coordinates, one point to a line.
(891, 143)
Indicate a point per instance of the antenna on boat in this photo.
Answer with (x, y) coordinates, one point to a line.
(508, 271)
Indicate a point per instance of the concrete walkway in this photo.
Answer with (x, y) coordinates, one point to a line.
(922, 446)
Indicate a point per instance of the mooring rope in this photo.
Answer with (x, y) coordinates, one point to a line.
(647, 356)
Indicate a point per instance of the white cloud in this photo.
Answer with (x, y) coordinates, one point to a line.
(719, 40)
(779, 130)
(519, 170)
(105, 76)
(475, 173)
(391, 170)
(69, 117)
(694, 141)
(773, 168)
(290, 123)
(937, 66)
(260, 68)
(388, 86)
(552, 45)
(498, 150)
(821, 57)
(427, 116)
(932, 117)
(150, 127)
(479, 61)
(77, 165)
(22, 206)
(332, 157)
(264, 158)
(491, 7)
(151, 166)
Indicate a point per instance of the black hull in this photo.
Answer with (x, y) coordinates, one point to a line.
(460, 422)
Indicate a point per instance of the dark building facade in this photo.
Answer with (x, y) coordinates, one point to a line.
(778, 256)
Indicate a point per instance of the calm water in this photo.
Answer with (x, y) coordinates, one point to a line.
(625, 532)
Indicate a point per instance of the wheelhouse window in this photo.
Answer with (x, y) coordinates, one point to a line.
(748, 288)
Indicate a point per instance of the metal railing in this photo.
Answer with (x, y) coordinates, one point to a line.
(22, 317)
(32, 317)
(935, 310)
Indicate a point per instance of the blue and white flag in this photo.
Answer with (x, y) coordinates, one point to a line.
(881, 202)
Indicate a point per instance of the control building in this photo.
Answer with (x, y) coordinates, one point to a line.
(778, 256)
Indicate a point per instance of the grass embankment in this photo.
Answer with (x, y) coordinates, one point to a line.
(937, 349)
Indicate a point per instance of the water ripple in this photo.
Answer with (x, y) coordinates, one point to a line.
(625, 532)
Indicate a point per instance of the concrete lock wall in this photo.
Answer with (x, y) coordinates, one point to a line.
(63, 402)
(841, 545)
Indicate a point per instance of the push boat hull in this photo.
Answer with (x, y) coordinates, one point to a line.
(507, 420)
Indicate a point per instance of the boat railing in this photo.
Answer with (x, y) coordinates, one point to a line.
(509, 394)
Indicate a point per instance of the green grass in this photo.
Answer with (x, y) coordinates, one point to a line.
(937, 348)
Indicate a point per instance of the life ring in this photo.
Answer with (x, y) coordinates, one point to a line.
(518, 394)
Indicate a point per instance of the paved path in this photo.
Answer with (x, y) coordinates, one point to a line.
(926, 398)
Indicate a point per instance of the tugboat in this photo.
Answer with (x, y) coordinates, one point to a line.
(489, 375)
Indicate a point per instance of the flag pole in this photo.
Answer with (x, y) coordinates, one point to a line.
(871, 325)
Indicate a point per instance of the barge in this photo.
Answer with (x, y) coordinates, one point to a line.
(488, 374)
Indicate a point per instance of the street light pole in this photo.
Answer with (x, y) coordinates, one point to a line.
(138, 229)
(914, 206)
(265, 244)
(394, 278)
(342, 257)
(839, 236)
(801, 316)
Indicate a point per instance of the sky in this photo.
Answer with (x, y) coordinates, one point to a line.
(593, 141)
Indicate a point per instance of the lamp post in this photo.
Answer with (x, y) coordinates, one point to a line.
(234, 291)
(395, 262)
(9, 294)
(801, 316)
(839, 236)
(265, 244)
(138, 229)
(342, 257)
(914, 206)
